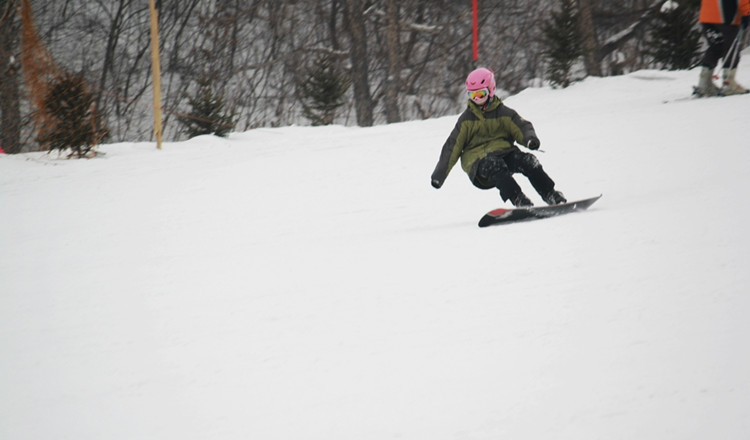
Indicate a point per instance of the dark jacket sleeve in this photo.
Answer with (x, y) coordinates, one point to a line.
(526, 128)
(450, 153)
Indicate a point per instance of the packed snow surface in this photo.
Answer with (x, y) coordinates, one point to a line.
(308, 283)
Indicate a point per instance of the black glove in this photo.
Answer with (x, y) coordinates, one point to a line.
(436, 183)
(532, 144)
(744, 21)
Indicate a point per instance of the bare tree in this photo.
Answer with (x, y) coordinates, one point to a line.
(358, 54)
(10, 96)
(392, 83)
(588, 34)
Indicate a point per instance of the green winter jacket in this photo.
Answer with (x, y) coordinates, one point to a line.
(478, 133)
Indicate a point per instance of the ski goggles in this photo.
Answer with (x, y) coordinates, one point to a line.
(478, 95)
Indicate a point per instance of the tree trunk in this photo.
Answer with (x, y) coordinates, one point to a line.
(113, 38)
(355, 25)
(10, 96)
(392, 113)
(588, 34)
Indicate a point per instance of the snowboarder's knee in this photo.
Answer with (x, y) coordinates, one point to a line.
(528, 162)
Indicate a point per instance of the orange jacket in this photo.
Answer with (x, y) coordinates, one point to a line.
(723, 11)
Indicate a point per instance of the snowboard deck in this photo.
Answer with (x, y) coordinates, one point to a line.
(509, 215)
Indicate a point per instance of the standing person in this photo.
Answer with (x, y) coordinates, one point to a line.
(721, 21)
(484, 140)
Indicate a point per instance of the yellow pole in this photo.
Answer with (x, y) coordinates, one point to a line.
(156, 70)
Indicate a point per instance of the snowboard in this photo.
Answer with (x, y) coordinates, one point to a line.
(509, 215)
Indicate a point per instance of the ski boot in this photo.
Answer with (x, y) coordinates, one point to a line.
(729, 85)
(706, 86)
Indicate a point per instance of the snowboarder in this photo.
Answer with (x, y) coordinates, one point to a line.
(721, 21)
(484, 139)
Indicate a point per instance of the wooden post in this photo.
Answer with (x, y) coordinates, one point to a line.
(156, 70)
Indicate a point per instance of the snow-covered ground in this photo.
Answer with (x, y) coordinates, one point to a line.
(309, 283)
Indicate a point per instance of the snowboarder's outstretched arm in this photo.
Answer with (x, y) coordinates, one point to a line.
(449, 154)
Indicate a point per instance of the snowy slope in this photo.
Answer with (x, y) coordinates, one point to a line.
(308, 283)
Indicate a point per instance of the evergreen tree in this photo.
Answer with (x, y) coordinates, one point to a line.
(323, 92)
(562, 43)
(674, 42)
(71, 118)
(208, 114)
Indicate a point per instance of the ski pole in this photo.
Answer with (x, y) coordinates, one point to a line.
(736, 46)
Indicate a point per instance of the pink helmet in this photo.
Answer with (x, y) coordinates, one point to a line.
(479, 79)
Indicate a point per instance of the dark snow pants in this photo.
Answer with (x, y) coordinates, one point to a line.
(499, 169)
(721, 45)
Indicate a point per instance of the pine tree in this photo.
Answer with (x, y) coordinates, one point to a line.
(674, 42)
(323, 92)
(562, 44)
(72, 120)
(208, 115)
